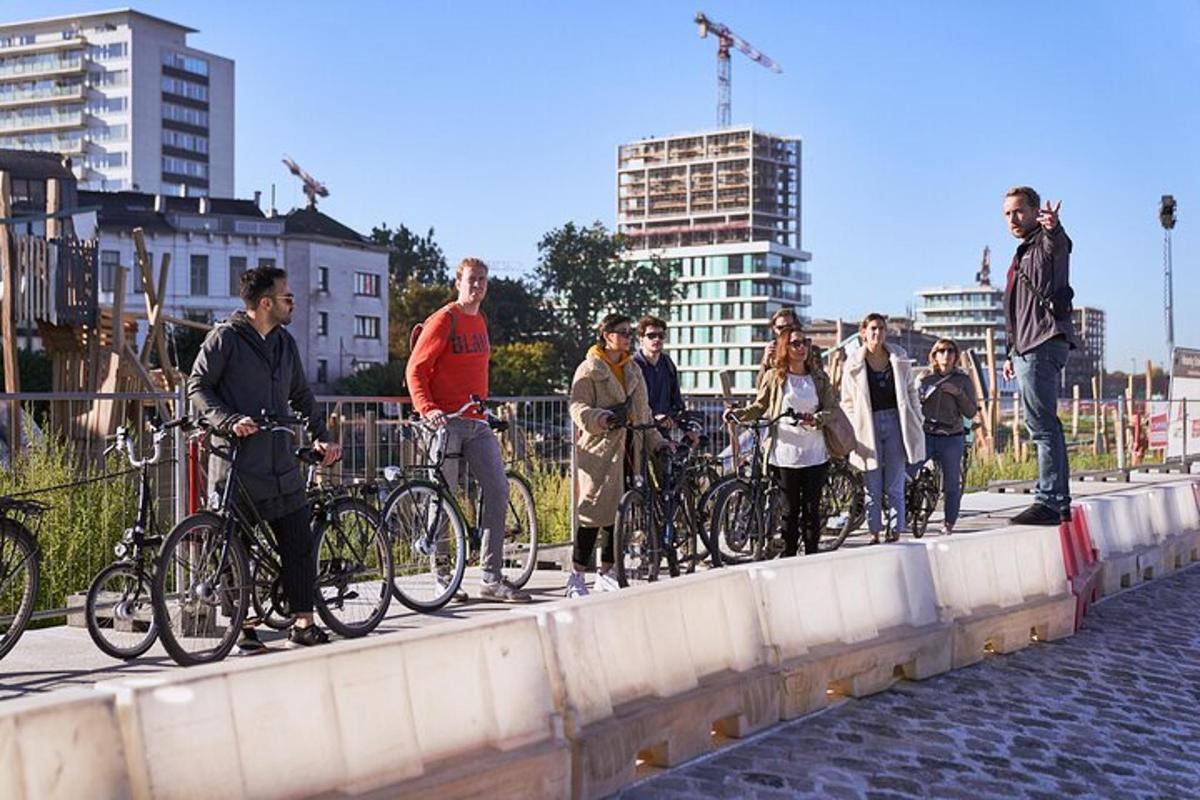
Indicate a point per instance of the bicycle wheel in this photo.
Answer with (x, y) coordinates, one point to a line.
(843, 506)
(636, 540)
(736, 523)
(520, 532)
(269, 604)
(18, 581)
(119, 612)
(354, 569)
(429, 544)
(200, 599)
(924, 491)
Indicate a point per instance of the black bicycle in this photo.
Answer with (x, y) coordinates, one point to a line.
(428, 530)
(217, 564)
(20, 567)
(118, 611)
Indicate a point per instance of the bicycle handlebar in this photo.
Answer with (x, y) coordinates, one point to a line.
(123, 441)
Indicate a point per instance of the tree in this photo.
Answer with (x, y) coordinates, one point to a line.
(580, 268)
(183, 345)
(410, 303)
(411, 256)
(377, 380)
(524, 368)
(515, 312)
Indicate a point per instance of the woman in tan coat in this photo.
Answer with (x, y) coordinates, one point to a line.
(608, 389)
(795, 450)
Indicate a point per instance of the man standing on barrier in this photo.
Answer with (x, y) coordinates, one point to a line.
(249, 364)
(1037, 309)
(449, 365)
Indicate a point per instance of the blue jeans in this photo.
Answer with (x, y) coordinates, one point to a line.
(889, 475)
(1039, 373)
(947, 451)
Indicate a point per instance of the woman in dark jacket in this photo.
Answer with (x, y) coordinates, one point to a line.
(947, 395)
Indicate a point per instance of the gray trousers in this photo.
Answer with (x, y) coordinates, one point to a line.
(481, 450)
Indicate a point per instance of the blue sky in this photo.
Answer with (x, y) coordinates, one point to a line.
(495, 122)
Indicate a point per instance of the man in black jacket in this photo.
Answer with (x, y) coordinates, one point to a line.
(249, 364)
(1037, 309)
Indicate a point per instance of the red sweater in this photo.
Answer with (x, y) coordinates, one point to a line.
(443, 374)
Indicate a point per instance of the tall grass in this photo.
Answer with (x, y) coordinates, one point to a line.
(77, 533)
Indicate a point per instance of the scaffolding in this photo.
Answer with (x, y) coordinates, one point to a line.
(708, 188)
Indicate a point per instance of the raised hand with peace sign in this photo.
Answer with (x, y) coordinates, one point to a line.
(1048, 216)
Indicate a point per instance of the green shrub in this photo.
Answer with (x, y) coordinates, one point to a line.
(552, 498)
(77, 533)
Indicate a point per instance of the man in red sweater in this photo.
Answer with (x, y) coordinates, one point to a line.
(448, 365)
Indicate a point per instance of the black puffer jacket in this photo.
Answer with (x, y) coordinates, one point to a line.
(239, 373)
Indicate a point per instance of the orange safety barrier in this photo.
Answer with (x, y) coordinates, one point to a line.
(1082, 563)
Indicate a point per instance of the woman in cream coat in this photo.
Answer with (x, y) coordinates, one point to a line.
(608, 384)
(880, 397)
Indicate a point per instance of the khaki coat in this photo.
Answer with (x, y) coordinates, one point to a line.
(600, 453)
(856, 402)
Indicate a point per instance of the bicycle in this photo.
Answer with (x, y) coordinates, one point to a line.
(215, 564)
(845, 498)
(20, 566)
(428, 531)
(118, 610)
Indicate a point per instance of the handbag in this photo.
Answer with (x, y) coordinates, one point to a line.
(839, 434)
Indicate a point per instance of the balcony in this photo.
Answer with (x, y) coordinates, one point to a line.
(75, 93)
(41, 122)
(66, 146)
(40, 66)
(52, 46)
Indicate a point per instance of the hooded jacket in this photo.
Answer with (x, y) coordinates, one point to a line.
(240, 373)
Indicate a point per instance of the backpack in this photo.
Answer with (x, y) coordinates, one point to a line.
(449, 308)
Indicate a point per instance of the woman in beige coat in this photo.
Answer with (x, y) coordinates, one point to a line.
(608, 388)
(880, 398)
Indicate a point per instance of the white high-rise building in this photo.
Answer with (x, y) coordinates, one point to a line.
(725, 204)
(125, 97)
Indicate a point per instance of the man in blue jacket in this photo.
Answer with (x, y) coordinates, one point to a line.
(1037, 310)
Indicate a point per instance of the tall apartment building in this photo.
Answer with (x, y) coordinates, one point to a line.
(124, 96)
(725, 205)
(1086, 362)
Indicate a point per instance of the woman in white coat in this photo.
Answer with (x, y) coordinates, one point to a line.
(881, 399)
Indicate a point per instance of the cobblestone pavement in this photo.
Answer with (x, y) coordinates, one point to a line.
(1108, 713)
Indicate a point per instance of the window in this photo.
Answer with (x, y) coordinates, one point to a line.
(192, 91)
(181, 166)
(323, 279)
(100, 52)
(109, 261)
(366, 327)
(196, 66)
(185, 141)
(199, 276)
(237, 265)
(366, 284)
(322, 370)
(188, 116)
(322, 323)
(266, 263)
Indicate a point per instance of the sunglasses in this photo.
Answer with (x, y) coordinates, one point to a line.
(798, 343)
(945, 350)
(655, 335)
(623, 332)
(290, 299)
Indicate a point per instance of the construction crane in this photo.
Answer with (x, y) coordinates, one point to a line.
(726, 39)
(313, 188)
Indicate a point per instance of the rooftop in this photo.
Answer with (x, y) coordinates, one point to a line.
(93, 15)
(34, 164)
(311, 222)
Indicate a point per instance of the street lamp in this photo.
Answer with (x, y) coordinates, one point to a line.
(1166, 216)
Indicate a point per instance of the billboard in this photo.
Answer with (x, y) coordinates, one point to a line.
(1185, 387)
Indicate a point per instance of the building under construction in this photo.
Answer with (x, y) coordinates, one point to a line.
(726, 205)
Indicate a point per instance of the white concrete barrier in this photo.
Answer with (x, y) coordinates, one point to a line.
(847, 622)
(1119, 537)
(648, 674)
(1001, 588)
(447, 711)
(67, 745)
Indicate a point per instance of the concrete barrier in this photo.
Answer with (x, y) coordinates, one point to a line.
(850, 623)
(1002, 589)
(453, 710)
(656, 675)
(1119, 537)
(67, 745)
(1183, 512)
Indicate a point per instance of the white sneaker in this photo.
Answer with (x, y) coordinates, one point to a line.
(605, 582)
(576, 586)
(443, 582)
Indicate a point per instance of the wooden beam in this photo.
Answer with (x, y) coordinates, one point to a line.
(12, 372)
(154, 305)
(186, 323)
